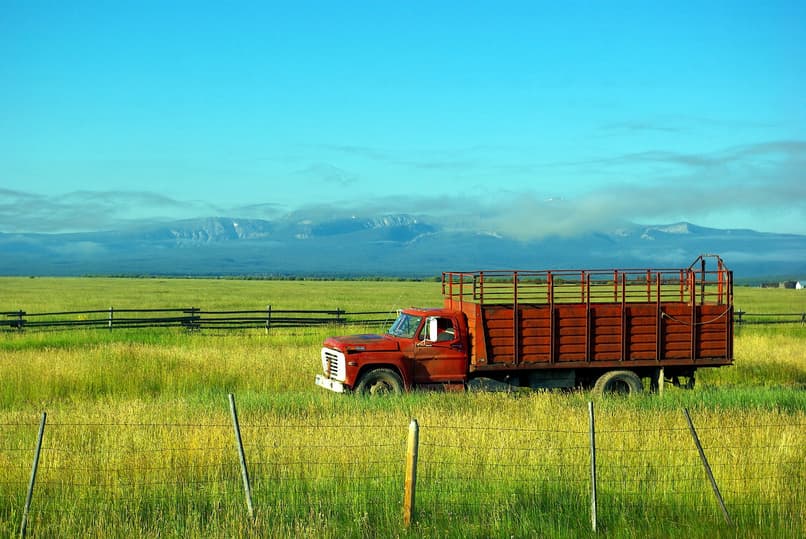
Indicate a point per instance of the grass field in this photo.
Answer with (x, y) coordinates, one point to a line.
(139, 438)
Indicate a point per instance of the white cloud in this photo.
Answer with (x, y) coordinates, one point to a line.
(760, 186)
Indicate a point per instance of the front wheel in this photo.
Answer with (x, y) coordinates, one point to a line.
(380, 382)
(618, 383)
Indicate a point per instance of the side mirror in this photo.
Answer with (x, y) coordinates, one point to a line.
(432, 331)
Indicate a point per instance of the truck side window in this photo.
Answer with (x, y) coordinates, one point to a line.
(445, 330)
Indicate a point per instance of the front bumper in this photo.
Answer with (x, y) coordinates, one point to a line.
(327, 383)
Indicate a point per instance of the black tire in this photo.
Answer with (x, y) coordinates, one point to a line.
(380, 382)
(618, 383)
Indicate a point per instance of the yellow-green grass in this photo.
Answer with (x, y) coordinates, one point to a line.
(490, 464)
(46, 294)
(139, 439)
(769, 300)
(42, 294)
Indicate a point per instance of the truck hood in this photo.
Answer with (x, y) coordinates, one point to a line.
(363, 343)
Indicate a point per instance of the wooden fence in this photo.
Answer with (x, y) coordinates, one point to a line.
(741, 318)
(190, 318)
(194, 318)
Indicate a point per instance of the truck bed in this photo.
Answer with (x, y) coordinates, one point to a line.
(600, 335)
(596, 318)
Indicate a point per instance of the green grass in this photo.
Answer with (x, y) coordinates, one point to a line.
(139, 439)
(48, 294)
(769, 300)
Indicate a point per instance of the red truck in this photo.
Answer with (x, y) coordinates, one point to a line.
(603, 329)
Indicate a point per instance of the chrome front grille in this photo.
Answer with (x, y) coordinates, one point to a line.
(333, 364)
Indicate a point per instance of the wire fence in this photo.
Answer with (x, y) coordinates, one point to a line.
(143, 476)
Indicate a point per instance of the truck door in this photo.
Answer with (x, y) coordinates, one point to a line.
(440, 352)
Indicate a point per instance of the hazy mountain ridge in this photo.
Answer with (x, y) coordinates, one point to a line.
(217, 229)
(395, 245)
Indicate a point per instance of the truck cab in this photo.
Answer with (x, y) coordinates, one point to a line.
(422, 347)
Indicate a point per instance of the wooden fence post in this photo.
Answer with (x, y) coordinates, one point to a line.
(195, 318)
(34, 468)
(707, 467)
(111, 317)
(410, 486)
(593, 464)
(268, 318)
(242, 457)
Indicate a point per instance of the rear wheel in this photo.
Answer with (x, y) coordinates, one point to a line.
(618, 383)
(380, 382)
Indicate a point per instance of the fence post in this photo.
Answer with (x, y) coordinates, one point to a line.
(111, 317)
(410, 487)
(20, 320)
(242, 457)
(593, 464)
(707, 467)
(29, 496)
(268, 318)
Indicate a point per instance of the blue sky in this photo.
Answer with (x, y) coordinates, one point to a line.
(529, 118)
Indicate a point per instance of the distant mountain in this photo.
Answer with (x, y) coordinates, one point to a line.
(386, 245)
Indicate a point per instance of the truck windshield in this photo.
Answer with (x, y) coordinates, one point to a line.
(405, 325)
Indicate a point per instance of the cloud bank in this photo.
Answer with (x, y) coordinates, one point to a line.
(79, 211)
(759, 186)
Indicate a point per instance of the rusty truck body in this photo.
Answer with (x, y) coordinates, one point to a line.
(607, 329)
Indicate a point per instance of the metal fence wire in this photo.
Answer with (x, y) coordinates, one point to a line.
(291, 472)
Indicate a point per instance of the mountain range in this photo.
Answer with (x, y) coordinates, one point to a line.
(386, 245)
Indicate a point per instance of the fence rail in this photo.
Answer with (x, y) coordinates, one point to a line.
(741, 317)
(190, 318)
(194, 318)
